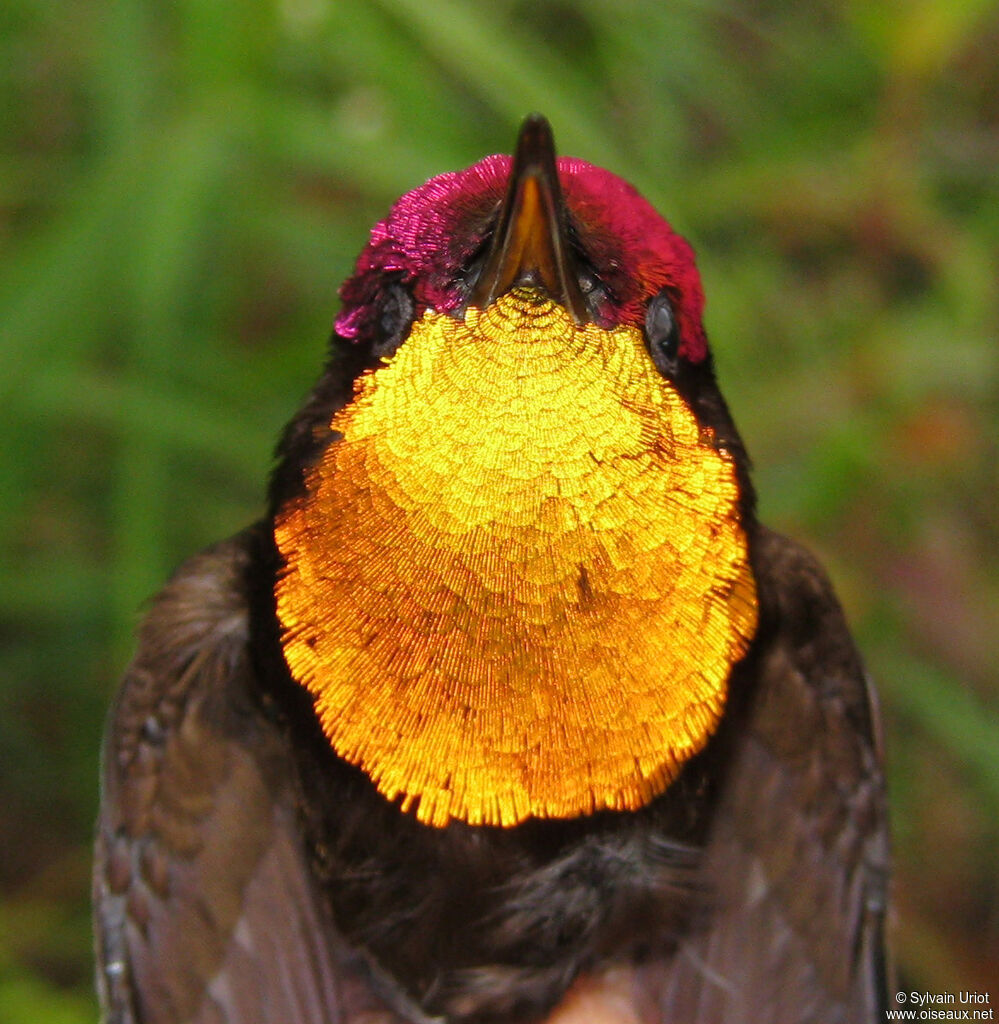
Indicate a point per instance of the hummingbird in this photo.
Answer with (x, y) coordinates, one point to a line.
(509, 710)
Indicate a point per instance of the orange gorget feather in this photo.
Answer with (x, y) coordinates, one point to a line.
(518, 584)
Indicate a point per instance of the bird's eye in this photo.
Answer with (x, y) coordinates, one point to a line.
(394, 320)
(662, 334)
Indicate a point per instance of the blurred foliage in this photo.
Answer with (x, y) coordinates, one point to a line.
(183, 186)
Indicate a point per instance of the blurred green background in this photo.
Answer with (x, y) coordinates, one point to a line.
(184, 185)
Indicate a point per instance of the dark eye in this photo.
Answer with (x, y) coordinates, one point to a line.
(394, 319)
(662, 335)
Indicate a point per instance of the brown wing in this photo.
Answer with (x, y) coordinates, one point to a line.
(798, 855)
(205, 908)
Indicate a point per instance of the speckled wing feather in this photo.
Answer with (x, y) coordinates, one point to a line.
(205, 909)
(797, 860)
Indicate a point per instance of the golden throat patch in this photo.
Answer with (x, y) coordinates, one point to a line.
(517, 585)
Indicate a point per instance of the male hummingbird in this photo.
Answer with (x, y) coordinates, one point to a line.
(509, 710)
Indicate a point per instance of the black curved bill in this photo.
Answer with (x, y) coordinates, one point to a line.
(530, 246)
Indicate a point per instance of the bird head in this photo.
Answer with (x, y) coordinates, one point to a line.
(576, 232)
(512, 518)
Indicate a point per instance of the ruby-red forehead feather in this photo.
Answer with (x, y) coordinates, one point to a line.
(635, 250)
(433, 231)
(419, 241)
